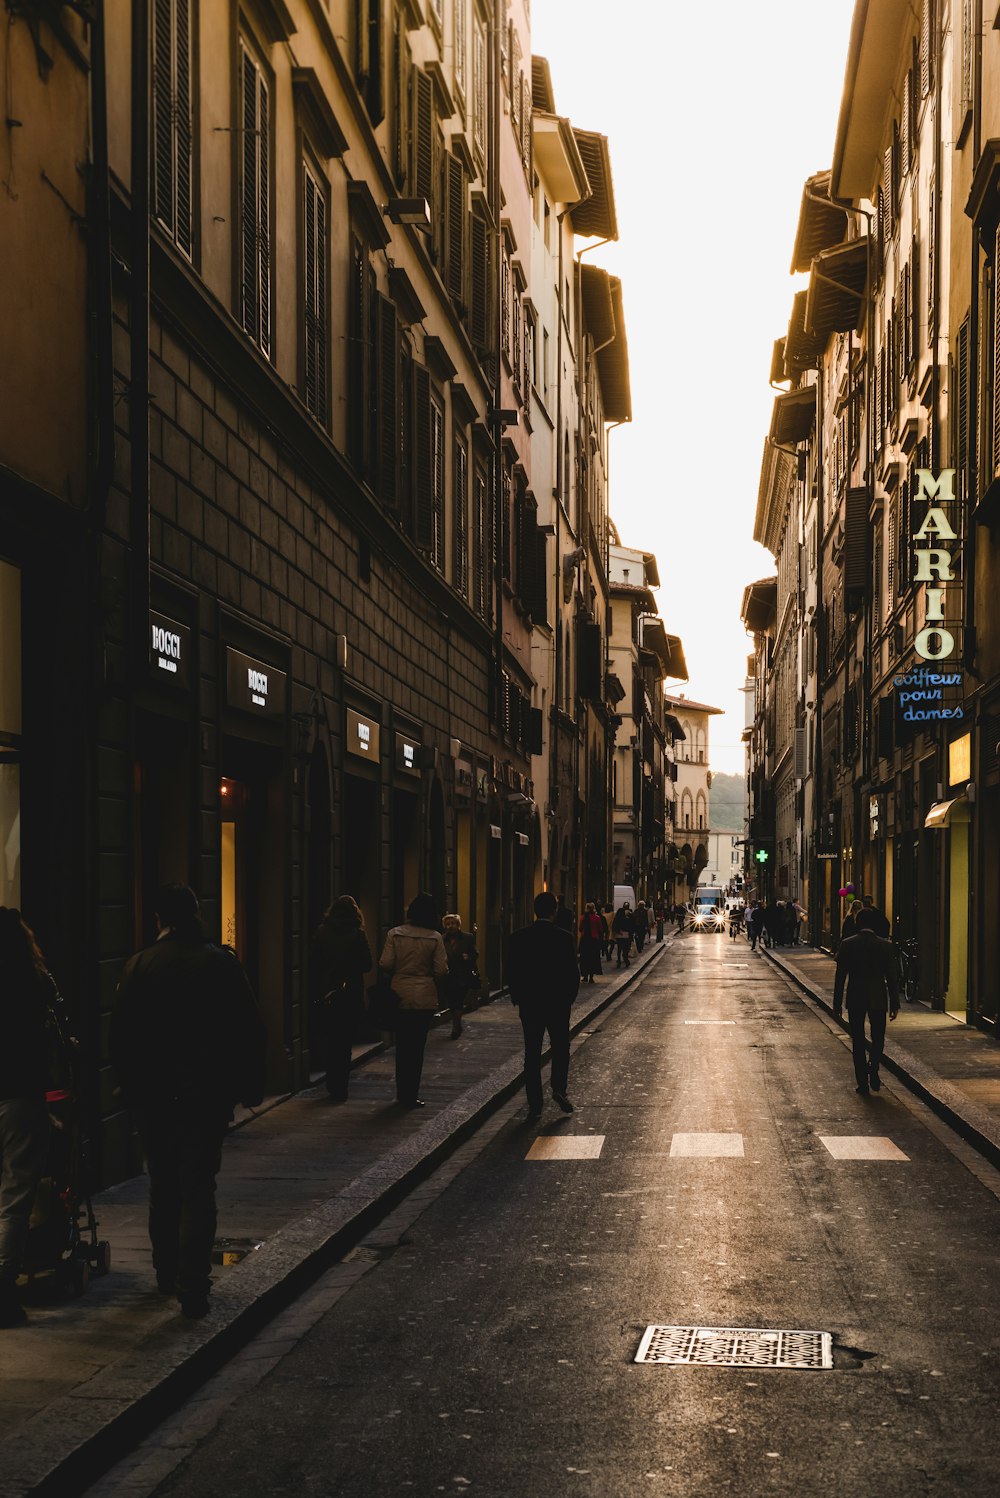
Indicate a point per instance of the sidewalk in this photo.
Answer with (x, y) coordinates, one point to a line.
(304, 1181)
(952, 1066)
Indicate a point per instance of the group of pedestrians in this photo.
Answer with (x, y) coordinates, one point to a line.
(776, 924)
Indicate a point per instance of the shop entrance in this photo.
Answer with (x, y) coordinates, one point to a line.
(957, 997)
(253, 860)
(463, 869)
(405, 852)
(163, 827)
(360, 863)
(988, 988)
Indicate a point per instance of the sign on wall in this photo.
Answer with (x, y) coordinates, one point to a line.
(254, 686)
(169, 650)
(932, 692)
(362, 737)
(407, 754)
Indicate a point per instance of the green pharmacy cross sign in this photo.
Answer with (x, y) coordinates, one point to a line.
(761, 855)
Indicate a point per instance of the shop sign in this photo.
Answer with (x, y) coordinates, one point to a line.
(463, 777)
(874, 816)
(169, 650)
(483, 785)
(522, 838)
(922, 692)
(362, 736)
(407, 754)
(495, 831)
(960, 760)
(254, 686)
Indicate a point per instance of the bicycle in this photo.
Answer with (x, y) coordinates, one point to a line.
(908, 962)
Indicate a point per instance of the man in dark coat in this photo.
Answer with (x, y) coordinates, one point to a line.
(881, 926)
(867, 964)
(544, 979)
(188, 1045)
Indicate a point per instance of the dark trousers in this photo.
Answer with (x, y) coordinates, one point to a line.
(24, 1133)
(183, 1147)
(866, 1068)
(554, 1018)
(412, 1026)
(640, 940)
(338, 1048)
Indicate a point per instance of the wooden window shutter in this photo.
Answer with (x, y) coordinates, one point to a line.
(172, 143)
(904, 137)
(315, 257)
(359, 357)
(479, 320)
(890, 531)
(249, 211)
(264, 219)
(423, 487)
(479, 530)
(163, 104)
(423, 135)
(897, 176)
(926, 46)
(456, 229)
(995, 406)
(388, 403)
(888, 201)
(517, 347)
(460, 497)
(437, 482)
(526, 121)
(962, 403)
(505, 304)
(400, 97)
(914, 286)
(515, 85)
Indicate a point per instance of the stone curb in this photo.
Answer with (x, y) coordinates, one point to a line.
(77, 1437)
(971, 1122)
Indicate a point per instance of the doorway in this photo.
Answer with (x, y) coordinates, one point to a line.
(163, 826)
(405, 851)
(360, 862)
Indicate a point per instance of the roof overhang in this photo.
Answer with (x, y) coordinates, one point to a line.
(802, 350)
(674, 725)
(835, 299)
(778, 373)
(654, 639)
(760, 604)
(793, 416)
(542, 95)
(632, 593)
(821, 223)
(878, 31)
(597, 215)
(677, 665)
(598, 306)
(558, 159)
(947, 813)
(612, 364)
(652, 571)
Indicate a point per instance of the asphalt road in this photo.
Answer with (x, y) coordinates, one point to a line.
(483, 1339)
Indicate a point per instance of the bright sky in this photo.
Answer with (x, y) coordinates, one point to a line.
(716, 114)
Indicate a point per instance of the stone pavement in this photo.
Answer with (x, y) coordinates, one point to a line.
(953, 1067)
(304, 1180)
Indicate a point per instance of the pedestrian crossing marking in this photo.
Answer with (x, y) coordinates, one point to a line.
(707, 1145)
(710, 1022)
(566, 1147)
(861, 1147)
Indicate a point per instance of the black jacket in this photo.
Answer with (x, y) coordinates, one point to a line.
(867, 965)
(186, 1028)
(343, 956)
(542, 966)
(24, 1050)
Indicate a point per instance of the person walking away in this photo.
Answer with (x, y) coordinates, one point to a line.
(544, 980)
(881, 927)
(755, 925)
(866, 964)
(187, 1044)
(463, 976)
(772, 923)
(564, 916)
(415, 961)
(24, 1119)
(791, 923)
(800, 915)
(849, 926)
(607, 916)
(342, 957)
(640, 926)
(591, 942)
(621, 928)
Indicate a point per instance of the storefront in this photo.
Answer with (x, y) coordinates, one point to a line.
(406, 830)
(361, 822)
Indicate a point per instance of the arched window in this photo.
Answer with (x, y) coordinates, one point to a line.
(702, 810)
(687, 808)
(700, 745)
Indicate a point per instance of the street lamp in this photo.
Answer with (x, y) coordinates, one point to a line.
(415, 212)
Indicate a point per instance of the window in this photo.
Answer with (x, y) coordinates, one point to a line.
(516, 342)
(460, 493)
(479, 86)
(315, 255)
(505, 306)
(173, 135)
(530, 372)
(255, 202)
(480, 532)
(460, 45)
(437, 482)
(545, 364)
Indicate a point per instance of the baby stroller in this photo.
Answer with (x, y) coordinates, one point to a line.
(63, 1248)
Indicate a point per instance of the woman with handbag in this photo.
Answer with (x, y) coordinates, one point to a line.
(591, 942)
(343, 956)
(416, 963)
(462, 974)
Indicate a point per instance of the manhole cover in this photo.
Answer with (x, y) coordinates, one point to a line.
(735, 1347)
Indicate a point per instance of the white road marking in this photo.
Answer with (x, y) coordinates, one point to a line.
(861, 1147)
(707, 1145)
(710, 1022)
(566, 1147)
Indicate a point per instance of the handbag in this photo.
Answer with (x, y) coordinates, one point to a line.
(383, 1004)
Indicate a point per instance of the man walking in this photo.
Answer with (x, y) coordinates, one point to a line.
(867, 964)
(544, 979)
(187, 1044)
(881, 927)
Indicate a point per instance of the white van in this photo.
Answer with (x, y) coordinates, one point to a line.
(623, 893)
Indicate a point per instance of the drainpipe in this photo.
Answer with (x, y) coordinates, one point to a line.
(138, 620)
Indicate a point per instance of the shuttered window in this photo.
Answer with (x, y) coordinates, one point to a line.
(961, 428)
(455, 269)
(516, 341)
(888, 197)
(480, 529)
(526, 122)
(505, 305)
(905, 118)
(423, 135)
(461, 44)
(423, 485)
(926, 46)
(529, 351)
(479, 269)
(359, 357)
(968, 28)
(515, 86)
(460, 493)
(315, 255)
(437, 482)
(173, 135)
(401, 71)
(255, 202)
(386, 380)
(479, 86)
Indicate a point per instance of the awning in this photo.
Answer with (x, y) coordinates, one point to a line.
(597, 215)
(802, 349)
(760, 602)
(677, 665)
(821, 223)
(836, 289)
(945, 813)
(612, 364)
(778, 362)
(598, 308)
(793, 416)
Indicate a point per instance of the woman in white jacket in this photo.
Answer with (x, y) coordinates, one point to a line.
(416, 963)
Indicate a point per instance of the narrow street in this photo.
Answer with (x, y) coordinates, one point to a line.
(719, 1171)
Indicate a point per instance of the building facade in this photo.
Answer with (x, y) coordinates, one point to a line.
(886, 426)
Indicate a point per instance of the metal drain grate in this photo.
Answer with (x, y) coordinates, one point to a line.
(735, 1347)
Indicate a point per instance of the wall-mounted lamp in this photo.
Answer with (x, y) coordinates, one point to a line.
(413, 211)
(340, 651)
